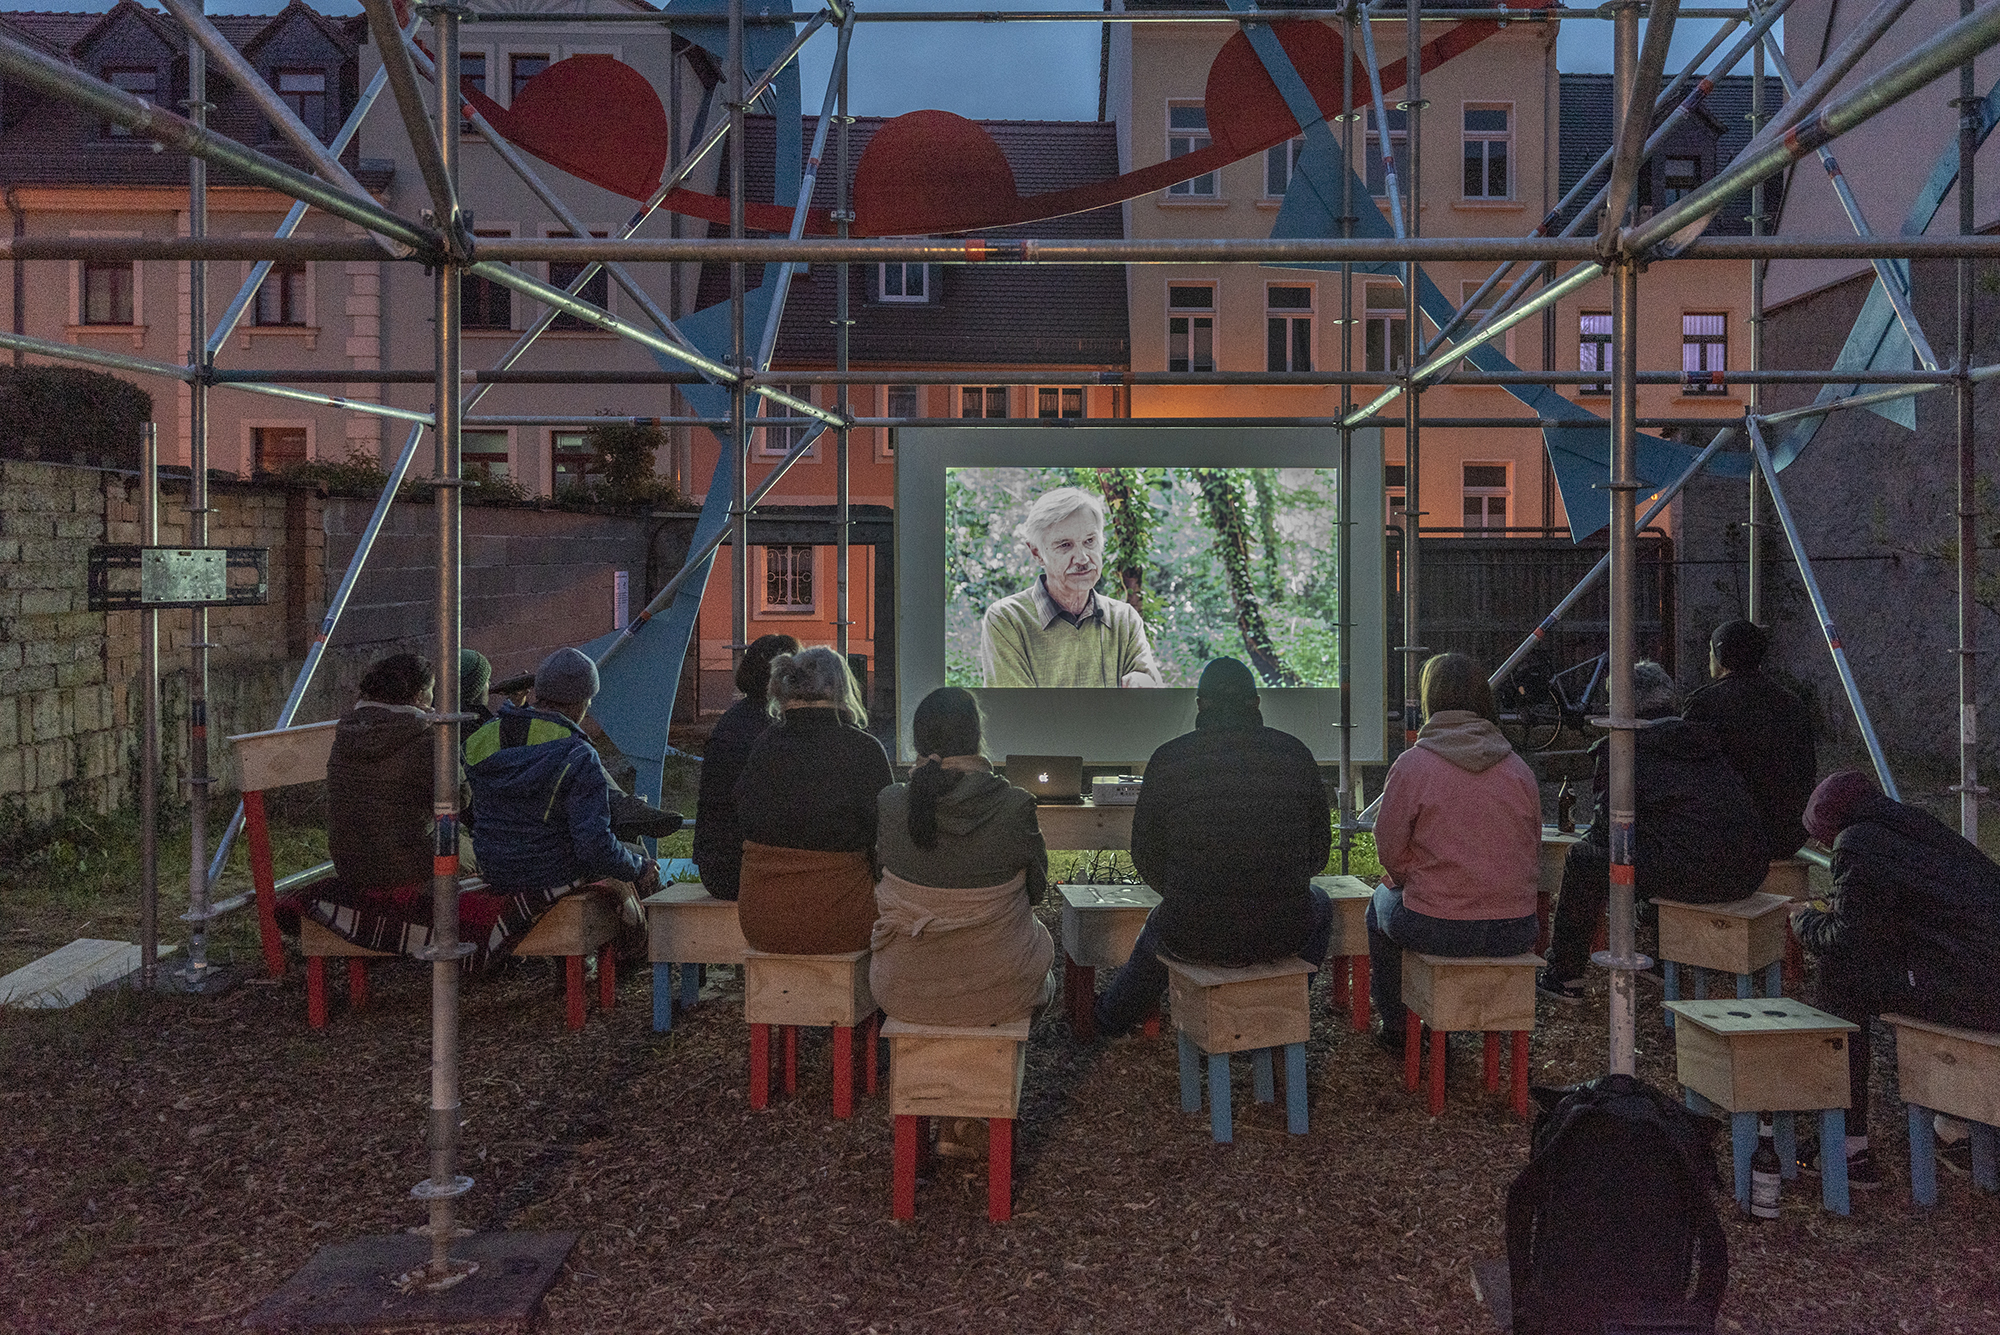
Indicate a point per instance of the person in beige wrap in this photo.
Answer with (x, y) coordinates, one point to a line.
(963, 865)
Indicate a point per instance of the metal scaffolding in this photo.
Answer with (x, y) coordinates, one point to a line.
(1625, 240)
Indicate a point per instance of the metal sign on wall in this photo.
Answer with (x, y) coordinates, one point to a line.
(127, 577)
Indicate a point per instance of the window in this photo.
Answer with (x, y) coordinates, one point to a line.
(563, 272)
(901, 401)
(1190, 327)
(788, 579)
(472, 71)
(1704, 353)
(1399, 135)
(275, 448)
(521, 69)
(140, 81)
(778, 441)
(483, 454)
(1593, 349)
(1059, 401)
(1486, 141)
(304, 91)
(281, 299)
(1385, 338)
(903, 282)
(982, 401)
(573, 459)
(1187, 132)
(1678, 179)
(485, 304)
(1393, 492)
(1288, 329)
(1486, 493)
(1280, 161)
(107, 293)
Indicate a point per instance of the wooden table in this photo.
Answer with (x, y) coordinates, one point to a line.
(1084, 826)
(1555, 848)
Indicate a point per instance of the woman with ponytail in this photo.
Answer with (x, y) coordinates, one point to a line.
(963, 865)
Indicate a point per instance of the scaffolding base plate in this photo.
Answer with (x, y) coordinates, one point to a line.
(348, 1283)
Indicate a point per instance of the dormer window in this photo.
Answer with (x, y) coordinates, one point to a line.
(304, 91)
(140, 81)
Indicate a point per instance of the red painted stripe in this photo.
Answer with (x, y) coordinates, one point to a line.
(1623, 875)
(445, 866)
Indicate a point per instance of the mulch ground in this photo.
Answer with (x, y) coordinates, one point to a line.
(170, 1162)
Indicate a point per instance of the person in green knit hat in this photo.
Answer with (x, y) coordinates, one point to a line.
(1060, 631)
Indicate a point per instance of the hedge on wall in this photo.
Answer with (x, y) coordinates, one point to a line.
(67, 415)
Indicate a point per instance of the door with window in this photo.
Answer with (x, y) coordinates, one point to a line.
(1288, 328)
(1385, 328)
(1190, 327)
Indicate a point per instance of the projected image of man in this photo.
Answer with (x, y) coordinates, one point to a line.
(1060, 631)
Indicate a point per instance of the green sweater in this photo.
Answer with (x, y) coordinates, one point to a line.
(1024, 642)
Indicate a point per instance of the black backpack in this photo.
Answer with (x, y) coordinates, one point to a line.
(1612, 1225)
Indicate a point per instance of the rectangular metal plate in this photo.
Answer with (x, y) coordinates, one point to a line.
(347, 1284)
(183, 575)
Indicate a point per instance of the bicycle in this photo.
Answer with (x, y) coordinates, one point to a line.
(1543, 703)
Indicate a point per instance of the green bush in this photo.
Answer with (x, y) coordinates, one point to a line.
(67, 415)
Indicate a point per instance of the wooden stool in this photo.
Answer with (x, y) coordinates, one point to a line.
(1488, 995)
(581, 923)
(686, 925)
(1099, 925)
(1772, 1055)
(794, 990)
(1347, 951)
(1555, 848)
(948, 1071)
(1942, 1069)
(1253, 1009)
(1743, 937)
(1791, 878)
(318, 944)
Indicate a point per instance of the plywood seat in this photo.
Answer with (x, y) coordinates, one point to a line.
(1768, 1055)
(959, 1072)
(1555, 851)
(1791, 878)
(1347, 951)
(687, 926)
(584, 922)
(790, 991)
(1489, 995)
(319, 943)
(1258, 1008)
(1743, 937)
(1100, 924)
(1944, 1069)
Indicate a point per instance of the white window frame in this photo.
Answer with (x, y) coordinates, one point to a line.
(548, 53)
(1371, 151)
(1193, 314)
(1282, 157)
(883, 294)
(1203, 189)
(1702, 387)
(1395, 345)
(1667, 185)
(1505, 138)
(549, 448)
(1291, 315)
(137, 329)
(775, 442)
(765, 608)
(513, 472)
(1602, 343)
(491, 56)
(1487, 493)
(497, 231)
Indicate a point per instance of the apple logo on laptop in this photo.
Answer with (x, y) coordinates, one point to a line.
(1043, 777)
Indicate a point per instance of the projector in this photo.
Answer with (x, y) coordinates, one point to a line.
(1114, 790)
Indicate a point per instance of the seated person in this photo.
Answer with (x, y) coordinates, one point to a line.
(1697, 837)
(1232, 825)
(1764, 729)
(806, 805)
(963, 865)
(1459, 832)
(475, 682)
(1912, 928)
(545, 804)
(1060, 631)
(718, 843)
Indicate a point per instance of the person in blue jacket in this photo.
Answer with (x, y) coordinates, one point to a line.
(543, 798)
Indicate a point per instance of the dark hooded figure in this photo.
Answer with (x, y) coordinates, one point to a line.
(1764, 730)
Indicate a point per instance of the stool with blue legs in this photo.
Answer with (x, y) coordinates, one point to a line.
(686, 925)
(1744, 937)
(1256, 1009)
(1772, 1055)
(1944, 1069)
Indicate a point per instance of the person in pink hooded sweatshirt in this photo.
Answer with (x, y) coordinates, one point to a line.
(1459, 834)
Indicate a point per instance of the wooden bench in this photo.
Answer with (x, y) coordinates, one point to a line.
(1489, 995)
(583, 922)
(794, 990)
(1555, 849)
(279, 758)
(1100, 923)
(1255, 1009)
(1791, 878)
(686, 925)
(1743, 937)
(1774, 1055)
(1347, 951)
(949, 1071)
(319, 944)
(1944, 1069)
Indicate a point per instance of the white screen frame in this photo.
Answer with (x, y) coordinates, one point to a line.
(1117, 726)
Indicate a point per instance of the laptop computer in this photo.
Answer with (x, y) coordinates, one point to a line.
(1048, 778)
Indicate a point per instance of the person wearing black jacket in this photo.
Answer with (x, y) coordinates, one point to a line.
(1231, 827)
(718, 841)
(1764, 729)
(1698, 838)
(1912, 928)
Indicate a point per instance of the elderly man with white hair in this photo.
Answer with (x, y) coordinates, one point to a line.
(1060, 631)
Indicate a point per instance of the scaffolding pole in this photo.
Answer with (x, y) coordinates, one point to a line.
(198, 778)
(1968, 787)
(739, 429)
(1412, 648)
(1344, 804)
(1752, 529)
(843, 325)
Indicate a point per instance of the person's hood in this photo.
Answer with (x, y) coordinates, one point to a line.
(976, 798)
(372, 731)
(1465, 739)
